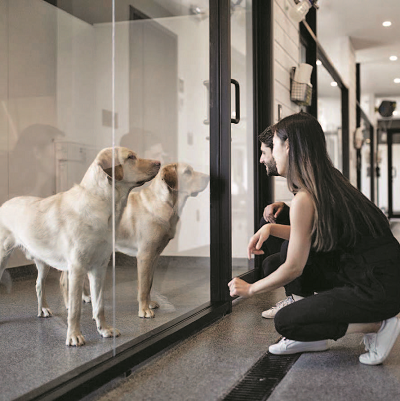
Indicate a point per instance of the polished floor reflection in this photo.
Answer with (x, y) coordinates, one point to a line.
(28, 342)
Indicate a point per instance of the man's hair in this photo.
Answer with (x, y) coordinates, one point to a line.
(267, 137)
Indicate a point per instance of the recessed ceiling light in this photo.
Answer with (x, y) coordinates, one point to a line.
(387, 23)
(396, 80)
(393, 58)
(319, 62)
(333, 83)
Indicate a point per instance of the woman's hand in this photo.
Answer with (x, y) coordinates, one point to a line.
(238, 287)
(257, 240)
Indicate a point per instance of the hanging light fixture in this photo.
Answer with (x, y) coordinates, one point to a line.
(299, 11)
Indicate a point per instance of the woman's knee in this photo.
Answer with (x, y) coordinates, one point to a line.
(284, 323)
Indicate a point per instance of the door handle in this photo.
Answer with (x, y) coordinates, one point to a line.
(237, 102)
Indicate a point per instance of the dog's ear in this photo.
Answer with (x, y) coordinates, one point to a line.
(170, 176)
(105, 162)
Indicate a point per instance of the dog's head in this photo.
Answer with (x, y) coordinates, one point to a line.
(181, 178)
(128, 167)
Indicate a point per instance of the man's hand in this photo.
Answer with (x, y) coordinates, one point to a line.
(238, 287)
(272, 211)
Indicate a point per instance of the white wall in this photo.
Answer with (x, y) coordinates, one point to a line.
(4, 118)
(28, 105)
(286, 56)
(76, 82)
(48, 100)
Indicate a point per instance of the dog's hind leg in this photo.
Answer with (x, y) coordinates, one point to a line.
(86, 291)
(5, 277)
(64, 289)
(96, 279)
(7, 245)
(43, 307)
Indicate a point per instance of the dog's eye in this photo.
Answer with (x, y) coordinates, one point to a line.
(188, 171)
(132, 157)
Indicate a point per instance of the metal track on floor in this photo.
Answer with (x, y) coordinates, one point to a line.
(261, 380)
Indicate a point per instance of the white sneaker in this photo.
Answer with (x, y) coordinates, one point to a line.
(270, 313)
(379, 344)
(286, 346)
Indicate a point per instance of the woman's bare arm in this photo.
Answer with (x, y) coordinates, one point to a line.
(301, 219)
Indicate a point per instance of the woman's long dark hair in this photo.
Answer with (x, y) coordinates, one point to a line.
(342, 213)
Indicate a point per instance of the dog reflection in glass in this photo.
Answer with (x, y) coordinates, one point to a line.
(149, 223)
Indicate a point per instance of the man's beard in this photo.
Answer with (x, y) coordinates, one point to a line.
(271, 168)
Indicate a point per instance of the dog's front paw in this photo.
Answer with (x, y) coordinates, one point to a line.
(75, 340)
(108, 331)
(86, 299)
(145, 313)
(154, 305)
(45, 312)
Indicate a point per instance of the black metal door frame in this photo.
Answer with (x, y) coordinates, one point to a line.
(220, 151)
(390, 133)
(362, 116)
(263, 111)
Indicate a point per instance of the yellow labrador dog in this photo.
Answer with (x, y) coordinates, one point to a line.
(149, 223)
(72, 231)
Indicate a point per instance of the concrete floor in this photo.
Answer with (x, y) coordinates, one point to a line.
(209, 364)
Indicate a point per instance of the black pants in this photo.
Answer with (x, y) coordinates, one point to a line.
(276, 249)
(273, 244)
(364, 289)
(272, 247)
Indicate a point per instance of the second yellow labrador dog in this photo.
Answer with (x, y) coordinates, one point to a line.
(72, 231)
(149, 223)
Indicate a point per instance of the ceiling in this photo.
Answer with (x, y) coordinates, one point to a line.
(361, 20)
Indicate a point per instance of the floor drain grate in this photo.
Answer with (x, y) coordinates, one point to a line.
(262, 378)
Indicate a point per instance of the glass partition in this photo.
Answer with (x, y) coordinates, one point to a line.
(330, 114)
(394, 180)
(73, 83)
(55, 112)
(382, 170)
(163, 241)
(365, 153)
